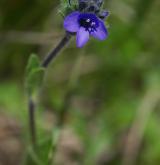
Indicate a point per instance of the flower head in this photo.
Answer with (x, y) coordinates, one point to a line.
(85, 25)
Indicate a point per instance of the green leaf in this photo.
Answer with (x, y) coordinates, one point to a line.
(33, 63)
(34, 75)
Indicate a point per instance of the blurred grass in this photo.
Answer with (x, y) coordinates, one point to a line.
(113, 80)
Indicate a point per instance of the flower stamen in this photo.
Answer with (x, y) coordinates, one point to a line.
(89, 22)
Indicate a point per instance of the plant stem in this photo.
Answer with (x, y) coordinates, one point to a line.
(32, 123)
(55, 51)
(45, 63)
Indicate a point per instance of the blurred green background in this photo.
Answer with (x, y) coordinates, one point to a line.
(110, 89)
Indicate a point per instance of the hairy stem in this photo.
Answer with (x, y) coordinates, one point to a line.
(32, 124)
(45, 63)
(55, 51)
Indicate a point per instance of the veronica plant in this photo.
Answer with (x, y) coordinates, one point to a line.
(83, 18)
(87, 20)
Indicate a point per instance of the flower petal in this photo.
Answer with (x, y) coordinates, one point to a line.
(101, 32)
(82, 37)
(71, 22)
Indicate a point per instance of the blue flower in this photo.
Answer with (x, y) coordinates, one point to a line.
(85, 25)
